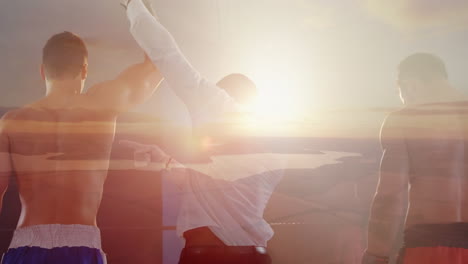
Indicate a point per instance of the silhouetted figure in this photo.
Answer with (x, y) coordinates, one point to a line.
(214, 237)
(423, 175)
(59, 148)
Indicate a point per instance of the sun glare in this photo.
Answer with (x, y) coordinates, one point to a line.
(274, 107)
(275, 102)
(280, 73)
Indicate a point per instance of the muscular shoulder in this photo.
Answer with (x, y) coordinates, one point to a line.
(107, 97)
(10, 116)
(18, 118)
(395, 128)
(26, 113)
(5, 123)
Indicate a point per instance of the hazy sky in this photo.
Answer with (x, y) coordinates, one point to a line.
(304, 54)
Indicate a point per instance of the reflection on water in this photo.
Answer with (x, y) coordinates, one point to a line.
(232, 167)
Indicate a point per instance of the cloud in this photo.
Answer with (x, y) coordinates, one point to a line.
(420, 14)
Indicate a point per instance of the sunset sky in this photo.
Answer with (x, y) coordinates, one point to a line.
(307, 56)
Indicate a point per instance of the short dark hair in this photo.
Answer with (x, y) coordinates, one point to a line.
(239, 87)
(63, 56)
(422, 66)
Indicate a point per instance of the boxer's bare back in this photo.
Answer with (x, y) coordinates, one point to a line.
(436, 144)
(59, 147)
(423, 167)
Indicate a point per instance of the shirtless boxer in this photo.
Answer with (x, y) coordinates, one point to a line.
(423, 176)
(59, 149)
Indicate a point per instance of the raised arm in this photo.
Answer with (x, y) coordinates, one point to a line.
(200, 95)
(132, 87)
(388, 210)
(5, 160)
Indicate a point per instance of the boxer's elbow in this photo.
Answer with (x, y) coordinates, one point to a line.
(143, 92)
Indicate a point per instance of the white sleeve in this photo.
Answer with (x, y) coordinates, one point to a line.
(201, 96)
